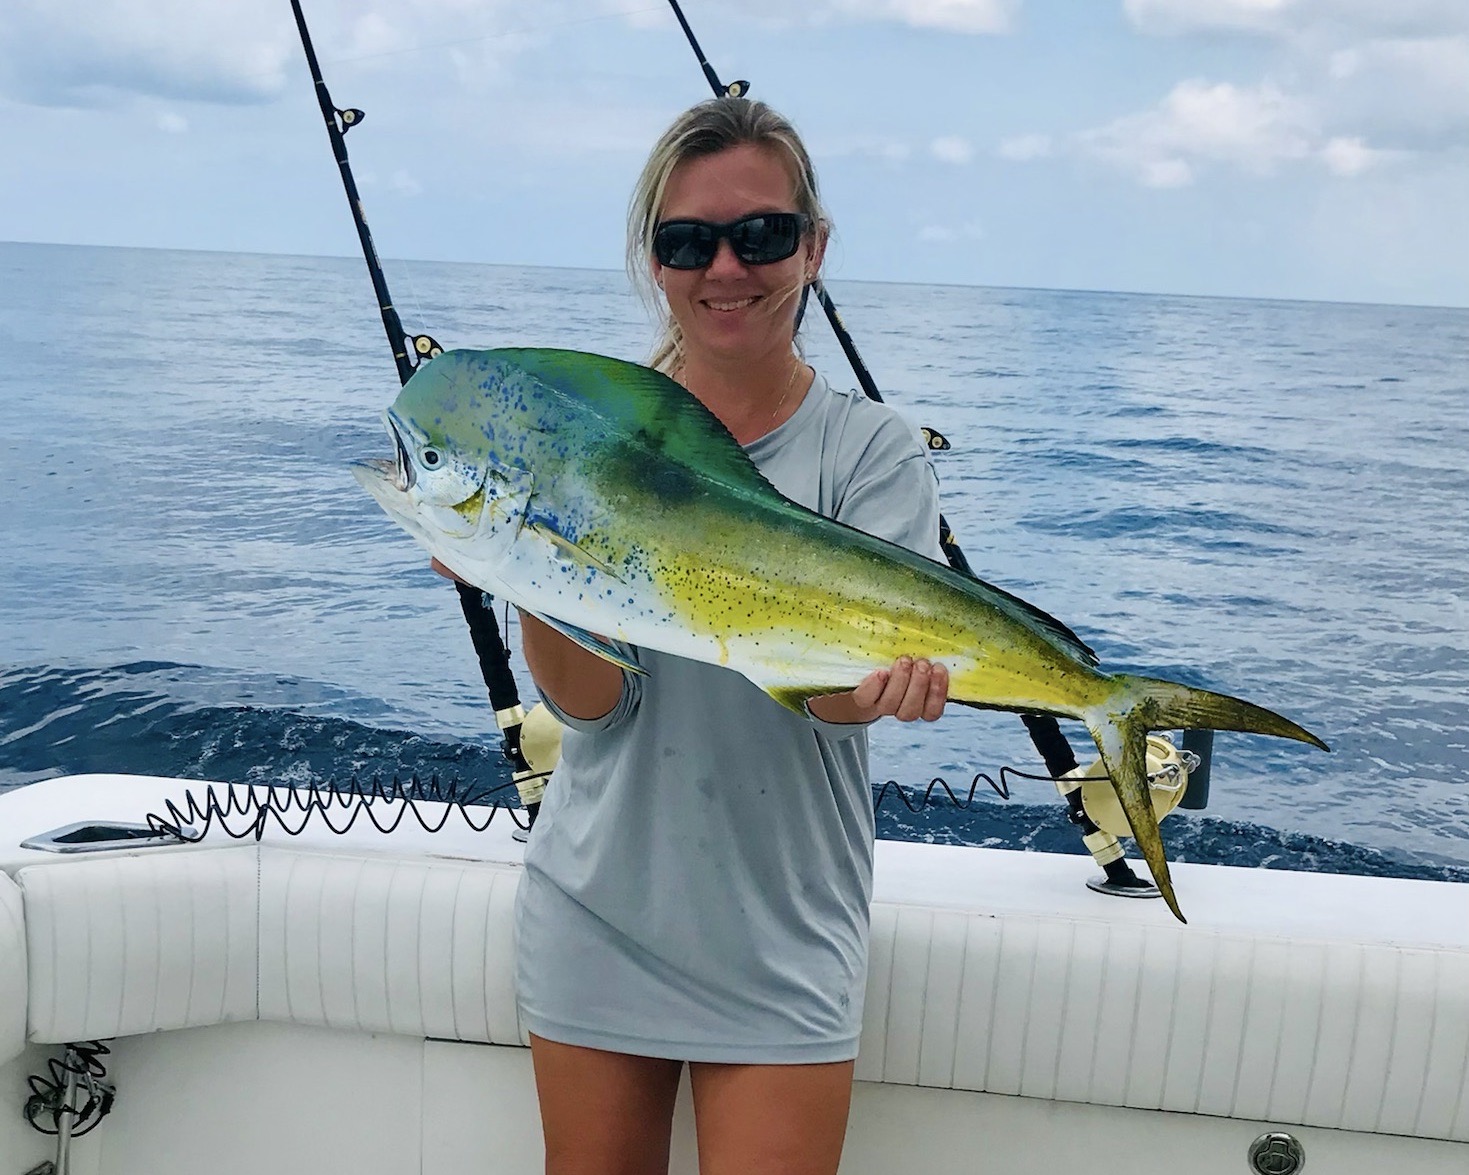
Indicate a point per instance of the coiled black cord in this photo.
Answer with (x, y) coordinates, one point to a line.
(241, 811)
(47, 1104)
(290, 808)
(1002, 789)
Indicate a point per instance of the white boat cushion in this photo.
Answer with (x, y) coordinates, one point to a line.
(377, 944)
(132, 944)
(1365, 1036)
(12, 971)
(1358, 1036)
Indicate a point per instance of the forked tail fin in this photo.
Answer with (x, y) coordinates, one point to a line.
(1167, 705)
(1143, 704)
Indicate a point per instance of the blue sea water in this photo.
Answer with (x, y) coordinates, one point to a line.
(1261, 497)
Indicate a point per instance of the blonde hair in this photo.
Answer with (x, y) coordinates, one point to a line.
(706, 129)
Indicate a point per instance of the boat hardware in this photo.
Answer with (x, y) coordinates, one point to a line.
(98, 837)
(53, 1107)
(1277, 1153)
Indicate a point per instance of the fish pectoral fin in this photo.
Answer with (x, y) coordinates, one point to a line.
(592, 643)
(795, 697)
(572, 551)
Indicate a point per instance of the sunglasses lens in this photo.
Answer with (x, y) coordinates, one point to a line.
(761, 240)
(685, 244)
(756, 240)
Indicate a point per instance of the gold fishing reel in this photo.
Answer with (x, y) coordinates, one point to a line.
(540, 744)
(1168, 772)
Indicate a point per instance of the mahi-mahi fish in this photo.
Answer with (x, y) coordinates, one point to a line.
(602, 497)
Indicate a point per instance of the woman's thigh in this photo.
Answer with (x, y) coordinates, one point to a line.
(604, 1113)
(771, 1119)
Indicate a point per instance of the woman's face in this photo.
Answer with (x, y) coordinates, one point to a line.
(728, 309)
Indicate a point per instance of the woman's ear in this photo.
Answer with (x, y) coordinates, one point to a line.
(818, 252)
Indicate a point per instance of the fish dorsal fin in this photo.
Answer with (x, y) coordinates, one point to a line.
(1025, 612)
(662, 416)
(1053, 628)
(647, 407)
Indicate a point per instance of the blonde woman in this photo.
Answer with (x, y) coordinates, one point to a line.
(697, 884)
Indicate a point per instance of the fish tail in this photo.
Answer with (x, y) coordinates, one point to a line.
(1167, 705)
(1142, 704)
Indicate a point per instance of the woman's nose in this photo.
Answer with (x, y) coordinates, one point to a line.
(725, 263)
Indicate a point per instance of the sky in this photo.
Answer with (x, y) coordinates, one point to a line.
(1312, 149)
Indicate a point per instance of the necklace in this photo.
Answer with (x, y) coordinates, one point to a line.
(681, 378)
(779, 404)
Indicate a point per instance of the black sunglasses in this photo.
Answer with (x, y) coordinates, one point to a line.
(761, 239)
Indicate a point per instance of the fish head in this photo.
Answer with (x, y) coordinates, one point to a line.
(447, 483)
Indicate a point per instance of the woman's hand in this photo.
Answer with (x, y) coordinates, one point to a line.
(913, 688)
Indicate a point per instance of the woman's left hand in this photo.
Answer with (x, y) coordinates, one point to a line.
(913, 688)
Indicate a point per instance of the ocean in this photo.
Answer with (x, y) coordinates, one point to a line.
(1261, 497)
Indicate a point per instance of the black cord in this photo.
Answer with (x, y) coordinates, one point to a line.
(47, 1103)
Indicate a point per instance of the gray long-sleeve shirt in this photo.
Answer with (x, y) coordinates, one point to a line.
(698, 881)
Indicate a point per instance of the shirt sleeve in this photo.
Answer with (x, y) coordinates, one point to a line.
(625, 706)
(893, 492)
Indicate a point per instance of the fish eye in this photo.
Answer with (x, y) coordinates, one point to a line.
(430, 458)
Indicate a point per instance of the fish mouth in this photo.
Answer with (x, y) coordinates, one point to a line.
(404, 476)
(378, 473)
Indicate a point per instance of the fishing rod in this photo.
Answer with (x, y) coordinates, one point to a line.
(934, 439)
(408, 353)
(1045, 732)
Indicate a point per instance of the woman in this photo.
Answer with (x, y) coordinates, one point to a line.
(698, 881)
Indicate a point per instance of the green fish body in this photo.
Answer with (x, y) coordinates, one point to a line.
(604, 498)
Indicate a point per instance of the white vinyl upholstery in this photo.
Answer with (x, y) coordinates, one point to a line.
(1359, 1035)
(12, 971)
(1356, 1036)
(132, 944)
(376, 944)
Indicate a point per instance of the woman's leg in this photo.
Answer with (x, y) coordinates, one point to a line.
(771, 1119)
(604, 1113)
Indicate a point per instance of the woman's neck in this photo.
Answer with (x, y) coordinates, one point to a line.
(750, 399)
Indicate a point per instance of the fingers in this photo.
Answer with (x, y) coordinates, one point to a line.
(871, 690)
(915, 688)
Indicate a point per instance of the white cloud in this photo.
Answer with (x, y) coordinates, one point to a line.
(100, 52)
(1411, 93)
(1392, 71)
(1166, 173)
(87, 52)
(1351, 156)
(174, 124)
(1252, 128)
(1165, 17)
(1342, 20)
(871, 146)
(1024, 148)
(952, 149)
(955, 16)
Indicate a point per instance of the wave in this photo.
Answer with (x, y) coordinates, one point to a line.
(159, 718)
(184, 721)
(982, 820)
